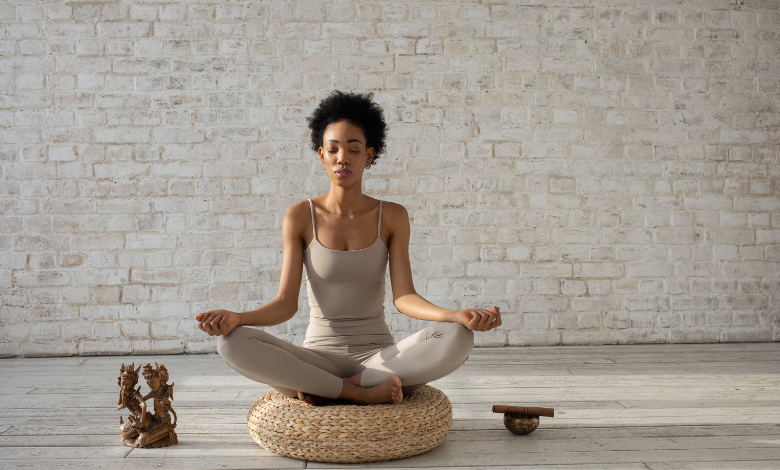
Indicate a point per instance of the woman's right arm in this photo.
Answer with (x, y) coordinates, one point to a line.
(285, 305)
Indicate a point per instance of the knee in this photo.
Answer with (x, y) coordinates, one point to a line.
(229, 344)
(462, 339)
(223, 346)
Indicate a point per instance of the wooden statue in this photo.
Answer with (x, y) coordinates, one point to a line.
(144, 429)
(131, 399)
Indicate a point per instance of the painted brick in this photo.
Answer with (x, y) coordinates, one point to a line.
(605, 173)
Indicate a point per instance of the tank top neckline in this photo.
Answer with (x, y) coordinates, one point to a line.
(377, 239)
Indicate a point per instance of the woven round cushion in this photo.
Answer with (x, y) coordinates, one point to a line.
(351, 433)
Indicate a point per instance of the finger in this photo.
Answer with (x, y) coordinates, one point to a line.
(210, 324)
(223, 326)
(483, 320)
(490, 319)
(480, 320)
(495, 321)
(204, 316)
(216, 324)
(495, 312)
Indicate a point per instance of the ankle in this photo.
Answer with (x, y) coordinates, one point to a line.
(355, 379)
(352, 392)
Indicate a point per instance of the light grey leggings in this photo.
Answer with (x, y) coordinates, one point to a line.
(427, 355)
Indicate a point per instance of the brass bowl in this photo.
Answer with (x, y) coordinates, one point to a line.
(520, 424)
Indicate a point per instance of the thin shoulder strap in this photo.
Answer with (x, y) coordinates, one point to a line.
(313, 230)
(379, 224)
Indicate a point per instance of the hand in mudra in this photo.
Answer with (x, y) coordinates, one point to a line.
(217, 322)
(479, 319)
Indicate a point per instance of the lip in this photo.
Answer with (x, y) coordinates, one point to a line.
(343, 173)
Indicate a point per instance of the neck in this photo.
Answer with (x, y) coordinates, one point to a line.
(345, 201)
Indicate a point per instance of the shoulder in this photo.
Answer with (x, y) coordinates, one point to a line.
(297, 217)
(395, 215)
(394, 210)
(298, 208)
(298, 212)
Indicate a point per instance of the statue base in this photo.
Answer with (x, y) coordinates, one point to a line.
(168, 440)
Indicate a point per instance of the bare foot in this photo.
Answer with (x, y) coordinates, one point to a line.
(313, 400)
(388, 391)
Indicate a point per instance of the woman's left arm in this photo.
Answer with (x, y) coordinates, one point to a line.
(405, 297)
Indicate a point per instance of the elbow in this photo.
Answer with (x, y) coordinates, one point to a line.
(402, 297)
(286, 306)
(292, 309)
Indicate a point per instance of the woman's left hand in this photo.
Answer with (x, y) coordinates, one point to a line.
(479, 319)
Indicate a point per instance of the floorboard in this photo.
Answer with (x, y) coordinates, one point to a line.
(634, 407)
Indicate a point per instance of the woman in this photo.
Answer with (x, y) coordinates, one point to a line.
(344, 239)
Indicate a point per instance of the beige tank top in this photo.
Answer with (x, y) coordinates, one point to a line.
(346, 293)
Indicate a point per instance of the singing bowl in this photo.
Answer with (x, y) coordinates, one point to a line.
(520, 424)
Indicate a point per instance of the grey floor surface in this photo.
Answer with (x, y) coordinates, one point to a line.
(706, 406)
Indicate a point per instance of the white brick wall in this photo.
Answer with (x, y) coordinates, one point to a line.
(605, 172)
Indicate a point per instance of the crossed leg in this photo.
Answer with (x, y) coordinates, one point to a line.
(288, 368)
(299, 372)
(424, 356)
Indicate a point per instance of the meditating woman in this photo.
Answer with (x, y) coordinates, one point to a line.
(344, 238)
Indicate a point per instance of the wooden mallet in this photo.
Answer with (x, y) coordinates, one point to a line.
(522, 419)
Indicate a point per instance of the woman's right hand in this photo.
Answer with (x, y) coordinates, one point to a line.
(217, 322)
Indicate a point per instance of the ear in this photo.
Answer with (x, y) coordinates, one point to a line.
(370, 154)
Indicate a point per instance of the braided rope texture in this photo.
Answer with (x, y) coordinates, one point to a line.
(351, 433)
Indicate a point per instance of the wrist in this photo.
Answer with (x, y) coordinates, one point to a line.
(451, 316)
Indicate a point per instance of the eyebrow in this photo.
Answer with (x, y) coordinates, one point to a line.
(350, 140)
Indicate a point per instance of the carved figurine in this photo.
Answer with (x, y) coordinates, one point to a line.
(131, 399)
(144, 429)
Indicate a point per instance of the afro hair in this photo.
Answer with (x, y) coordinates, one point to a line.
(359, 110)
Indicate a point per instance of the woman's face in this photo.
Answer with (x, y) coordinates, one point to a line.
(344, 153)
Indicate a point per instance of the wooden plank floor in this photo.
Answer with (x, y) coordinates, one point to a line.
(707, 406)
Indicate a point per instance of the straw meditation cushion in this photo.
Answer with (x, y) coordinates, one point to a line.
(351, 433)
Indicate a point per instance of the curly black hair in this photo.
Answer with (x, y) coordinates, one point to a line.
(356, 108)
